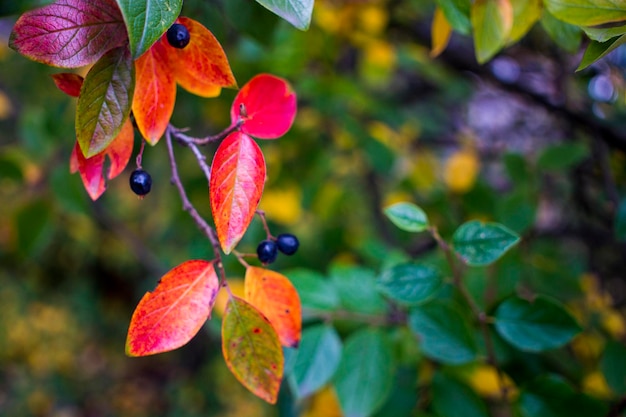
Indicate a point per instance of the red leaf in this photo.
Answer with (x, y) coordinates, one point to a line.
(236, 186)
(169, 317)
(267, 106)
(156, 92)
(68, 83)
(276, 297)
(91, 169)
(201, 67)
(69, 33)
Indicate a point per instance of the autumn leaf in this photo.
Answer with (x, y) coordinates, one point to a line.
(69, 83)
(236, 186)
(266, 105)
(69, 33)
(252, 350)
(174, 312)
(274, 295)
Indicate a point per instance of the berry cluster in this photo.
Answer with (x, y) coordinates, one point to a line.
(267, 250)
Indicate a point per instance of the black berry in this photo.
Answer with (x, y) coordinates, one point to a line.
(178, 36)
(287, 243)
(140, 182)
(267, 251)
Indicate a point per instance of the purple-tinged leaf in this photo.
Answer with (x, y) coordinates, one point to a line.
(105, 100)
(69, 33)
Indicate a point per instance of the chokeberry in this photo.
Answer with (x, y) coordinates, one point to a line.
(267, 251)
(287, 243)
(178, 36)
(140, 182)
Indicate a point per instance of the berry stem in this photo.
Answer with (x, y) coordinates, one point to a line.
(139, 158)
(261, 215)
(240, 258)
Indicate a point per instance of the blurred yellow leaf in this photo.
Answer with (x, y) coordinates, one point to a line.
(588, 347)
(440, 33)
(461, 170)
(492, 21)
(396, 197)
(525, 14)
(373, 19)
(237, 288)
(282, 205)
(323, 403)
(485, 381)
(595, 384)
(425, 167)
(614, 323)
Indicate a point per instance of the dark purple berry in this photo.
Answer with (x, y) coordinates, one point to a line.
(267, 251)
(140, 182)
(287, 243)
(178, 36)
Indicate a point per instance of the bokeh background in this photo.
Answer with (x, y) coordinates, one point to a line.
(523, 140)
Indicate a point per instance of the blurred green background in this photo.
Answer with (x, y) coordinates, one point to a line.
(523, 140)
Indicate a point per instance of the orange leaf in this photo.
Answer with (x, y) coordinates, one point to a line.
(91, 169)
(252, 350)
(274, 295)
(201, 67)
(440, 33)
(169, 317)
(68, 82)
(155, 92)
(236, 186)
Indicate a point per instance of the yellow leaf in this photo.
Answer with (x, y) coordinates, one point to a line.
(324, 403)
(461, 170)
(614, 323)
(440, 33)
(373, 19)
(525, 14)
(595, 384)
(492, 21)
(485, 381)
(282, 205)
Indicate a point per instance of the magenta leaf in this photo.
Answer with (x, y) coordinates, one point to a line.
(69, 33)
(105, 101)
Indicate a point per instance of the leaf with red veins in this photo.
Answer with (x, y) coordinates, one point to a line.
(266, 105)
(236, 186)
(69, 33)
(69, 83)
(91, 169)
(153, 104)
(201, 67)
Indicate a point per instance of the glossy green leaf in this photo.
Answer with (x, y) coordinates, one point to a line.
(452, 398)
(603, 34)
(147, 20)
(409, 283)
(598, 50)
(316, 291)
(565, 35)
(252, 350)
(481, 244)
(407, 216)
(535, 326)
(492, 21)
(317, 359)
(457, 14)
(364, 377)
(444, 333)
(587, 12)
(562, 156)
(620, 221)
(105, 101)
(613, 366)
(356, 287)
(296, 12)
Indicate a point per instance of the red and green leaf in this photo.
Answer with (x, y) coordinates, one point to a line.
(201, 67)
(69, 33)
(252, 350)
(236, 186)
(147, 20)
(91, 169)
(273, 295)
(266, 105)
(154, 104)
(105, 101)
(174, 312)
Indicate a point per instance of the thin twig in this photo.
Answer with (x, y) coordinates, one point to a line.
(261, 215)
(181, 137)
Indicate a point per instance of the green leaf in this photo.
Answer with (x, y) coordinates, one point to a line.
(409, 284)
(613, 366)
(565, 35)
(541, 325)
(357, 289)
(562, 156)
(452, 398)
(407, 216)
(296, 12)
(525, 14)
(587, 12)
(105, 101)
(444, 333)
(483, 243)
(492, 21)
(604, 34)
(315, 291)
(516, 168)
(598, 50)
(147, 20)
(620, 221)
(457, 14)
(317, 359)
(517, 211)
(364, 377)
